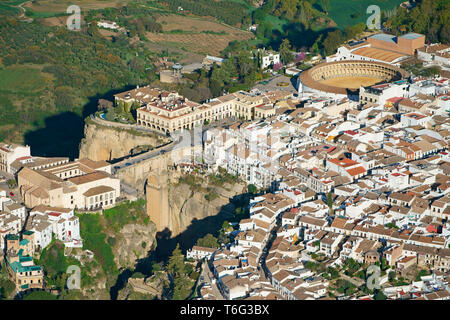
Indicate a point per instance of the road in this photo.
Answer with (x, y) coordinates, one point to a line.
(125, 188)
(131, 160)
(357, 283)
(180, 139)
(22, 15)
(208, 280)
(272, 237)
(306, 257)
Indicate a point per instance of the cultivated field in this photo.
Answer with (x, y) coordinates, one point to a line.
(55, 21)
(197, 35)
(51, 8)
(58, 6)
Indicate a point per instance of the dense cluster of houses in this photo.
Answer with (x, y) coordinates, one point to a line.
(366, 180)
(49, 190)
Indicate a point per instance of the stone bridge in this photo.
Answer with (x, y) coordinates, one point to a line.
(133, 172)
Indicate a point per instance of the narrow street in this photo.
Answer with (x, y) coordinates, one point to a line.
(208, 280)
(357, 283)
(272, 237)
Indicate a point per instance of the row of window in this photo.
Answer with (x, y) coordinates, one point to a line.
(99, 198)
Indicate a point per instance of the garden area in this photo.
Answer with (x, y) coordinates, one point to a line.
(122, 112)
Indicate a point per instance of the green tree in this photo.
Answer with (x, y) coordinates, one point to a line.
(431, 72)
(63, 97)
(12, 183)
(127, 107)
(138, 275)
(181, 288)
(39, 295)
(285, 52)
(379, 295)
(7, 287)
(252, 189)
(259, 16)
(325, 5)
(226, 226)
(332, 41)
(156, 267)
(391, 276)
(208, 241)
(330, 199)
(176, 265)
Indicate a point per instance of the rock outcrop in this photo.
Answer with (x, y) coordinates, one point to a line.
(107, 143)
(184, 205)
(145, 288)
(133, 242)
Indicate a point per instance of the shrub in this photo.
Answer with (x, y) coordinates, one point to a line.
(252, 189)
(95, 240)
(211, 196)
(194, 275)
(112, 241)
(138, 275)
(39, 295)
(208, 241)
(12, 183)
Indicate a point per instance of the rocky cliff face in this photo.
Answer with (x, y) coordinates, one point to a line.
(107, 143)
(145, 289)
(186, 205)
(129, 244)
(133, 243)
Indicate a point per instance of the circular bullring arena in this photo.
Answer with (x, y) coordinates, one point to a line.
(346, 77)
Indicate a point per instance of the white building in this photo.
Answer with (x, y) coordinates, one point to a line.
(436, 53)
(378, 94)
(269, 58)
(414, 119)
(199, 253)
(10, 153)
(64, 225)
(108, 25)
(365, 52)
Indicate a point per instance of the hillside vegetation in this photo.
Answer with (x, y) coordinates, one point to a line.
(50, 78)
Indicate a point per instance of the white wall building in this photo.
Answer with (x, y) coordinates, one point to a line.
(10, 153)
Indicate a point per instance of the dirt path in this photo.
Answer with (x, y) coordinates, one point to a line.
(22, 16)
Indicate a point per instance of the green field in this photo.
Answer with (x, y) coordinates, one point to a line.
(7, 7)
(21, 79)
(341, 11)
(276, 22)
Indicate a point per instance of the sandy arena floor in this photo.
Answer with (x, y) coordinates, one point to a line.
(351, 82)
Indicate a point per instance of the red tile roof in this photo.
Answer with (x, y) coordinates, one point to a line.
(356, 171)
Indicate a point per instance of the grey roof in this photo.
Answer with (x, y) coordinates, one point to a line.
(411, 36)
(384, 37)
